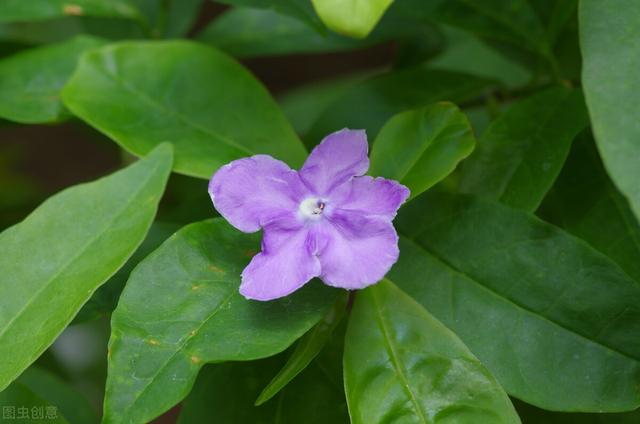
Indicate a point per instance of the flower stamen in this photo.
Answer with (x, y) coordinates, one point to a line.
(311, 208)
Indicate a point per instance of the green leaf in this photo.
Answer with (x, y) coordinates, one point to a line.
(65, 249)
(224, 393)
(17, 400)
(553, 319)
(354, 18)
(610, 41)
(211, 108)
(465, 53)
(30, 81)
(585, 202)
(299, 9)
(421, 147)
(510, 21)
(303, 105)
(197, 316)
(522, 152)
(32, 10)
(307, 348)
(175, 18)
(532, 415)
(369, 104)
(69, 402)
(247, 32)
(105, 299)
(403, 365)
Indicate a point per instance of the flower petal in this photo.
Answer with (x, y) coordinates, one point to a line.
(252, 192)
(370, 196)
(286, 263)
(356, 251)
(339, 157)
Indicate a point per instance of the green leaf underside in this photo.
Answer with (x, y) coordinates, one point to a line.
(553, 319)
(30, 81)
(522, 152)
(157, 348)
(585, 202)
(65, 249)
(197, 98)
(355, 18)
(20, 10)
(402, 365)
(610, 41)
(369, 104)
(421, 147)
(18, 396)
(307, 348)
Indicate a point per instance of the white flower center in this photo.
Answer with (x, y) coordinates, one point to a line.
(311, 208)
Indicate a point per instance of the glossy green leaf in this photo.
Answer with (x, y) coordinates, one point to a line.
(105, 299)
(64, 250)
(421, 147)
(354, 18)
(307, 348)
(208, 106)
(610, 41)
(370, 104)
(403, 365)
(299, 9)
(522, 152)
(32, 10)
(69, 402)
(552, 318)
(18, 400)
(585, 202)
(157, 348)
(30, 81)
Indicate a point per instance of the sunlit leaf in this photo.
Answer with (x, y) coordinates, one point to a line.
(351, 17)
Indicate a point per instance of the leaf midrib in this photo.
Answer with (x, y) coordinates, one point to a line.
(159, 106)
(395, 360)
(80, 253)
(178, 349)
(513, 302)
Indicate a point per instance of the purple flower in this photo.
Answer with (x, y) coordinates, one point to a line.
(326, 220)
